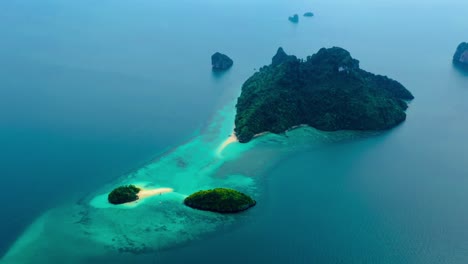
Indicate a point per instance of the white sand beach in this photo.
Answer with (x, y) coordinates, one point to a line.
(145, 193)
(231, 139)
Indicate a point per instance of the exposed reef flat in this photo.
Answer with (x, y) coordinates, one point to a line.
(327, 91)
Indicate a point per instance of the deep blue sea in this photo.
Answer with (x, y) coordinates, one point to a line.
(93, 90)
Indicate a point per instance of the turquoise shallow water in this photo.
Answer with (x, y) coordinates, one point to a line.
(89, 94)
(162, 222)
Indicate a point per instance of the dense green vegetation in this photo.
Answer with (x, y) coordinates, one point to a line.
(461, 56)
(327, 91)
(123, 194)
(220, 200)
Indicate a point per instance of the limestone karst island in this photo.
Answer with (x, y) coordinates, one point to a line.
(132, 193)
(327, 91)
(221, 62)
(460, 58)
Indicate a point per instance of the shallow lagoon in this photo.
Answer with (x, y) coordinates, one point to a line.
(162, 222)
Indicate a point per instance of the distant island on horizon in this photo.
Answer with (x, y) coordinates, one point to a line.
(327, 91)
(460, 58)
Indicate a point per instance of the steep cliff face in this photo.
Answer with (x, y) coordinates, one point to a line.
(294, 18)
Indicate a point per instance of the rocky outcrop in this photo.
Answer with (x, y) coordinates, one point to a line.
(221, 62)
(327, 91)
(294, 18)
(461, 55)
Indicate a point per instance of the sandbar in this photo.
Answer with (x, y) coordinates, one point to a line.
(231, 139)
(145, 193)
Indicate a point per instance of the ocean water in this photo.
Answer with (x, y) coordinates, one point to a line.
(97, 94)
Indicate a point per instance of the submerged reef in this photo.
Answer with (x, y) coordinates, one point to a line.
(221, 62)
(221, 200)
(123, 194)
(308, 14)
(327, 91)
(294, 18)
(460, 58)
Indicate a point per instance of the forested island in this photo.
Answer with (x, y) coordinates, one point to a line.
(221, 200)
(221, 62)
(294, 18)
(327, 91)
(123, 194)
